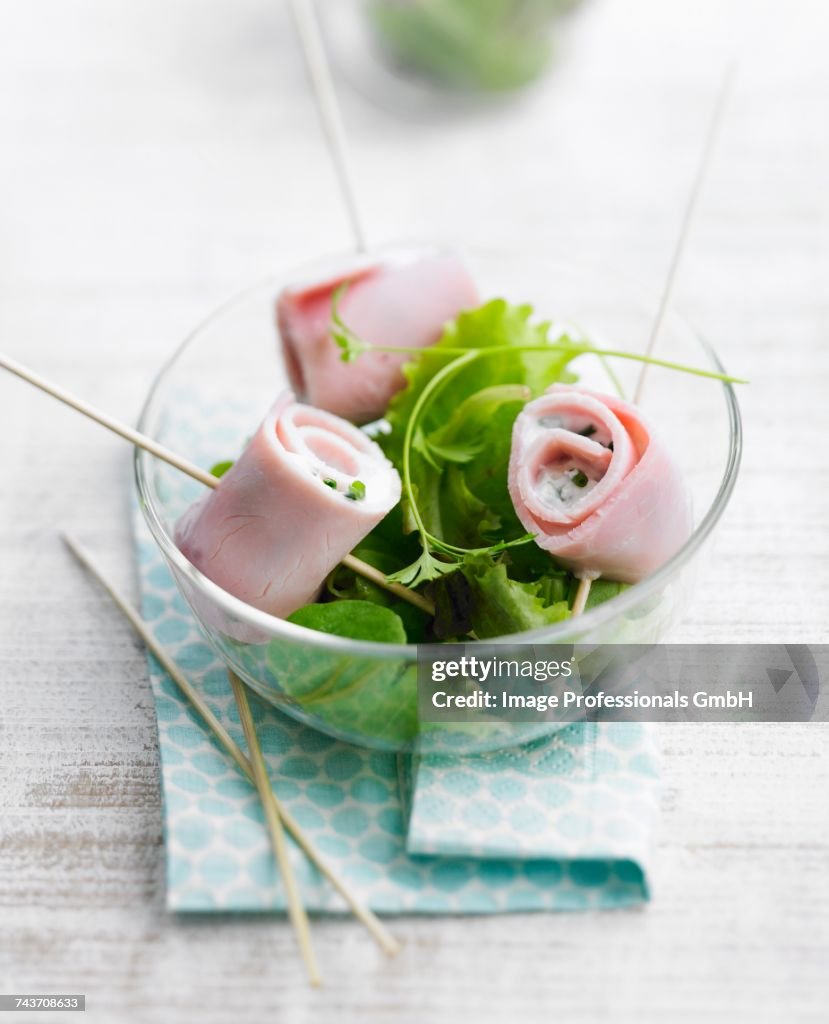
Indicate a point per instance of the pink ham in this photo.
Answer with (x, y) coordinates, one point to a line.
(601, 493)
(273, 529)
(402, 301)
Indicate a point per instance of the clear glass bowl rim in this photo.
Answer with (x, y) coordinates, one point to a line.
(559, 633)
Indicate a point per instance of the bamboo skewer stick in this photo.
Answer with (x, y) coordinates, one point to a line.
(368, 572)
(319, 71)
(384, 939)
(708, 147)
(296, 910)
(140, 440)
(121, 429)
(583, 592)
(307, 26)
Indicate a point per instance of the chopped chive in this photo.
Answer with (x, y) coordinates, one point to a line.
(357, 491)
(580, 479)
(588, 431)
(330, 483)
(221, 468)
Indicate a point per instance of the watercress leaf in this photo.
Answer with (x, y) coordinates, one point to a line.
(357, 620)
(344, 584)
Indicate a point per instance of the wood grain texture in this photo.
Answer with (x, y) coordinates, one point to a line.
(156, 157)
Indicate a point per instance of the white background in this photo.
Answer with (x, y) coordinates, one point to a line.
(156, 156)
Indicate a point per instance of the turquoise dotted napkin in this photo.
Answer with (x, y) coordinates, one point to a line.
(563, 823)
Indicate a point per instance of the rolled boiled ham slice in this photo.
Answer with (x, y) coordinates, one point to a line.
(306, 489)
(402, 301)
(600, 491)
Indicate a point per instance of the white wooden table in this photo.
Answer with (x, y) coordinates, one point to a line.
(158, 155)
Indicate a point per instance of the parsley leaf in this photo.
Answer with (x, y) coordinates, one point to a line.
(423, 569)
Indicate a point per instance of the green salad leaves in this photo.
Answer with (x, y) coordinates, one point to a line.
(449, 434)
(494, 45)
(455, 533)
(501, 605)
(358, 620)
(451, 429)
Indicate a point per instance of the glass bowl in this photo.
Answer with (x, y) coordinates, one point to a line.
(212, 394)
(427, 58)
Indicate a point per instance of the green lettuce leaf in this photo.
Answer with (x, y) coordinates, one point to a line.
(496, 324)
(493, 45)
(601, 590)
(501, 606)
(461, 447)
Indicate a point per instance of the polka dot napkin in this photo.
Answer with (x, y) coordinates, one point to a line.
(562, 823)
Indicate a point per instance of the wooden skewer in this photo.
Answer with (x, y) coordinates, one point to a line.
(190, 468)
(316, 60)
(307, 26)
(583, 592)
(375, 576)
(135, 437)
(384, 939)
(319, 71)
(709, 145)
(296, 910)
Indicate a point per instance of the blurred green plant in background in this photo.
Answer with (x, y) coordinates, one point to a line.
(489, 45)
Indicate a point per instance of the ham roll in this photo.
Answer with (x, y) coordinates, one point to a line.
(599, 490)
(402, 301)
(306, 489)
